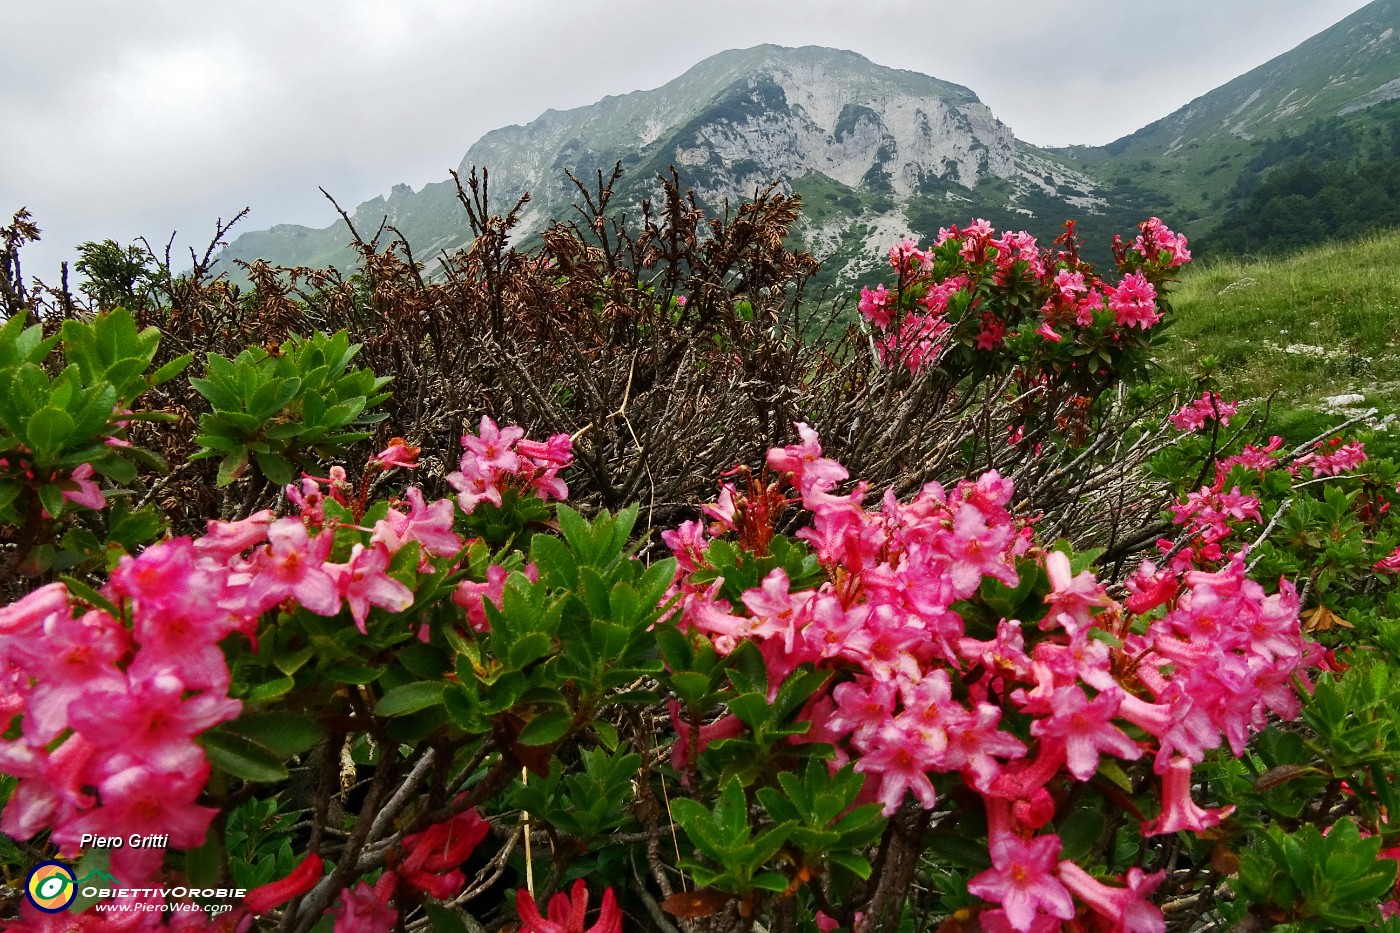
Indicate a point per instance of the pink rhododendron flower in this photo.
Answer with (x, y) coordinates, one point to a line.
(992, 333)
(687, 544)
(906, 257)
(1252, 457)
(1070, 284)
(1179, 811)
(492, 447)
(364, 581)
(498, 458)
(293, 567)
(144, 800)
(1128, 909)
(429, 525)
(918, 342)
(874, 305)
(432, 858)
(274, 894)
(1390, 563)
(365, 909)
(902, 757)
(225, 540)
(1086, 728)
(1193, 416)
(1332, 458)
(1134, 302)
(1072, 597)
(87, 493)
(1156, 241)
(151, 720)
(1022, 880)
(399, 453)
(568, 914)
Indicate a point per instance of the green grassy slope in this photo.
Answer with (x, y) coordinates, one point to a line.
(1313, 326)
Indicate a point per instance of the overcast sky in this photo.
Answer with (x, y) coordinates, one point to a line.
(124, 118)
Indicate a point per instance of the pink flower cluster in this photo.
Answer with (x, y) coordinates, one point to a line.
(918, 324)
(906, 259)
(1209, 407)
(106, 744)
(496, 458)
(1252, 457)
(433, 858)
(915, 696)
(874, 305)
(1156, 243)
(1207, 515)
(1134, 302)
(111, 707)
(1389, 564)
(1331, 458)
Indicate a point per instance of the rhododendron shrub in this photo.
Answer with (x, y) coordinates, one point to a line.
(901, 686)
(212, 661)
(980, 303)
(414, 689)
(1320, 517)
(65, 432)
(954, 662)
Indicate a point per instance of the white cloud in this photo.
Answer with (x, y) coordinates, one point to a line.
(150, 115)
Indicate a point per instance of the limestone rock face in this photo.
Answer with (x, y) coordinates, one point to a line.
(750, 117)
(732, 124)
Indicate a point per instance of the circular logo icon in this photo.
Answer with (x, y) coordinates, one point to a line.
(51, 887)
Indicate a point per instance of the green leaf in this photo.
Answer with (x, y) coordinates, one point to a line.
(410, 698)
(242, 757)
(547, 728)
(444, 919)
(52, 498)
(284, 734)
(751, 708)
(219, 396)
(231, 468)
(854, 864)
(607, 734)
(9, 492)
(275, 467)
(289, 662)
(204, 864)
(425, 662)
(90, 596)
(171, 370)
(528, 648)
(271, 689)
(652, 586)
(770, 881)
(1081, 831)
(48, 428)
(554, 560)
(577, 532)
(691, 687)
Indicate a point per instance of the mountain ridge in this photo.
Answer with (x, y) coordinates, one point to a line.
(887, 151)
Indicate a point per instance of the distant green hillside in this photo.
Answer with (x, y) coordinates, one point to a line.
(1317, 325)
(1339, 179)
(1200, 162)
